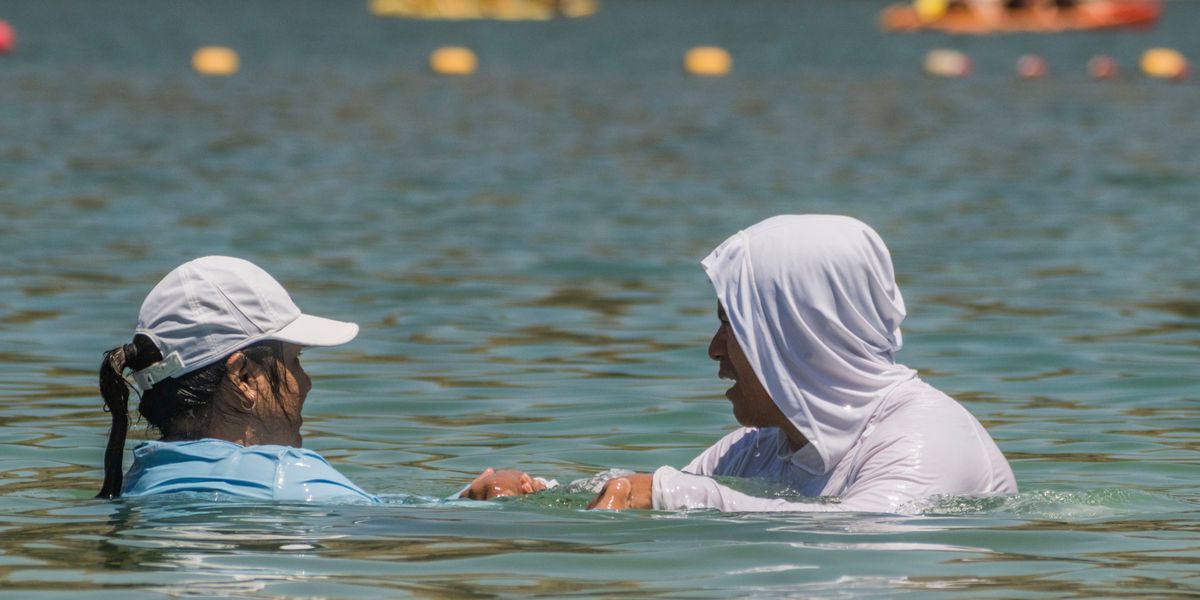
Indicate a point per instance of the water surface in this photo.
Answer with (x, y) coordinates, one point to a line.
(520, 248)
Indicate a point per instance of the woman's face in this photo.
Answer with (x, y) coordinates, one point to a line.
(752, 405)
(294, 387)
(282, 403)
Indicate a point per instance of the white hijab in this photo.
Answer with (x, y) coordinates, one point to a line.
(814, 304)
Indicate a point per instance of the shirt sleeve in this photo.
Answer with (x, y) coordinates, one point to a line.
(727, 456)
(676, 490)
(904, 462)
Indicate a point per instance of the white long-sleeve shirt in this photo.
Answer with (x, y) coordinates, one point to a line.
(919, 443)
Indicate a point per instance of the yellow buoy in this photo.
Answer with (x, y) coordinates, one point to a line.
(931, 10)
(947, 63)
(457, 9)
(1164, 63)
(707, 61)
(575, 9)
(452, 60)
(386, 8)
(215, 60)
(519, 10)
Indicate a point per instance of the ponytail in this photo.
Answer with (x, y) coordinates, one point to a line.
(115, 391)
(177, 406)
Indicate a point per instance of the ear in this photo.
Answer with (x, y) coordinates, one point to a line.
(240, 374)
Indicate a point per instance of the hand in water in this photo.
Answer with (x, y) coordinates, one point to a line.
(497, 484)
(631, 491)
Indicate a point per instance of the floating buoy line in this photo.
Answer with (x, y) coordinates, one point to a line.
(700, 61)
(1157, 63)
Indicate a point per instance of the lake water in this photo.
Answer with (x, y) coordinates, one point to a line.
(521, 249)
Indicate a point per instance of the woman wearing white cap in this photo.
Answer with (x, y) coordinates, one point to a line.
(810, 320)
(215, 359)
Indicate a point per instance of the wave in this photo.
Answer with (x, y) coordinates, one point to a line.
(1099, 503)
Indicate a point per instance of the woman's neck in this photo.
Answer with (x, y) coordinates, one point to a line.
(795, 439)
(242, 433)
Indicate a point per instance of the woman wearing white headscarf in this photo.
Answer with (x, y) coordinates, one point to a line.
(810, 324)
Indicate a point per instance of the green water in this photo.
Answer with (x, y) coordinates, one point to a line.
(520, 248)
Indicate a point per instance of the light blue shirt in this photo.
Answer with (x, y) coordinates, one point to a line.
(262, 472)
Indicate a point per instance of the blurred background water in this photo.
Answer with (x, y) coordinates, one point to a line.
(520, 247)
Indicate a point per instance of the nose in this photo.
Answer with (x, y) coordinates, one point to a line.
(716, 347)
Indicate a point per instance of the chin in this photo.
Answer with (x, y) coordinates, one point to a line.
(748, 422)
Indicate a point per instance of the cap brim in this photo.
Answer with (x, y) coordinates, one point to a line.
(316, 331)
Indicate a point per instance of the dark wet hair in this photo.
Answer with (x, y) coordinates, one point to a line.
(178, 407)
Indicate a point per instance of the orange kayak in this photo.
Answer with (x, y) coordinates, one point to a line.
(986, 19)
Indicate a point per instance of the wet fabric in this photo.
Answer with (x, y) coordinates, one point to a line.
(814, 305)
(266, 472)
(920, 444)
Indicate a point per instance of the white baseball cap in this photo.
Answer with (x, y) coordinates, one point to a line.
(207, 308)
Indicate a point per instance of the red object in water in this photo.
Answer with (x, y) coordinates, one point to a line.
(1032, 66)
(1102, 67)
(8, 38)
(1038, 17)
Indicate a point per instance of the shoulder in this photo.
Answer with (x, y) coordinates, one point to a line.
(916, 403)
(737, 435)
(290, 459)
(923, 427)
(305, 475)
(264, 472)
(205, 465)
(741, 452)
